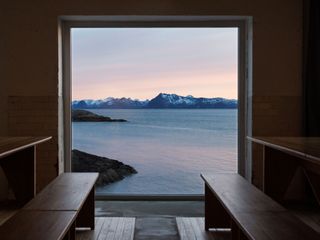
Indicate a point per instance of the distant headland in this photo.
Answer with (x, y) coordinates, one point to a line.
(79, 115)
(162, 100)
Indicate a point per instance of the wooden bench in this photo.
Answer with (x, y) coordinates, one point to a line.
(68, 199)
(18, 161)
(232, 202)
(36, 225)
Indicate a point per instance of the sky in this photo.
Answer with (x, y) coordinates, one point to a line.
(140, 63)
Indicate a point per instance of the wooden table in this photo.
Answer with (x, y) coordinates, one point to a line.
(18, 161)
(291, 168)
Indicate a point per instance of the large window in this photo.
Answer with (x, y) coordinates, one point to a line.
(153, 107)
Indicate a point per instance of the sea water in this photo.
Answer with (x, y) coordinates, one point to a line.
(168, 147)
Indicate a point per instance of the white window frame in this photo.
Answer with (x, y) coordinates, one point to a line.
(244, 25)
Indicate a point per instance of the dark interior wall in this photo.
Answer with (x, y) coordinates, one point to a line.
(29, 57)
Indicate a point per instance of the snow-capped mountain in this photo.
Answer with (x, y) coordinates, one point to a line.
(163, 100)
(109, 103)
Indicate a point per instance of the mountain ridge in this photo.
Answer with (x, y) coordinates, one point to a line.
(162, 100)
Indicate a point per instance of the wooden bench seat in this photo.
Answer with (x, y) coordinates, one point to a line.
(66, 203)
(38, 225)
(232, 202)
(69, 192)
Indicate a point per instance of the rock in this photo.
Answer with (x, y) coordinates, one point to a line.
(87, 116)
(110, 170)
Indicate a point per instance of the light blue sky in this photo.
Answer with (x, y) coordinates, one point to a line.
(142, 62)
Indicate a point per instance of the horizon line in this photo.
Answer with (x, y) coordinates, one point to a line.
(96, 99)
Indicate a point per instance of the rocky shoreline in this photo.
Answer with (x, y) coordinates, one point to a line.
(110, 170)
(79, 115)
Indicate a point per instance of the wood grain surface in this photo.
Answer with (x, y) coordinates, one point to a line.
(67, 192)
(36, 225)
(253, 213)
(9, 145)
(305, 147)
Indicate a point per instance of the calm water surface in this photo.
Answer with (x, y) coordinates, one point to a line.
(168, 148)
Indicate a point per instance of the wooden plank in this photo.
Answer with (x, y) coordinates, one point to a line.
(9, 145)
(309, 216)
(109, 228)
(31, 225)
(86, 234)
(105, 228)
(221, 234)
(128, 231)
(6, 214)
(113, 228)
(307, 213)
(256, 214)
(274, 225)
(188, 229)
(181, 228)
(7, 210)
(193, 229)
(120, 229)
(237, 195)
(66, 192)
(303, 147)
(200, 233)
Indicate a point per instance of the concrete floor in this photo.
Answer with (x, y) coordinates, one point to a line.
(149, 208)
(154, 219)
(160, 228)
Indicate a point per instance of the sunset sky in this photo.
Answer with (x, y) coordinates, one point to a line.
(142, 62)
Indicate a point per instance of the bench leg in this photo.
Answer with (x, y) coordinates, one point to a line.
(85, 218)
(20, 170)
(215, 214)
(71, 235)
(279, 170)
(236, 232)
(72, 232)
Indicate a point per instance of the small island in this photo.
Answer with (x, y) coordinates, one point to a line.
(109, 170)
(79, 115)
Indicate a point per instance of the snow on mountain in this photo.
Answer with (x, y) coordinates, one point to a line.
(162, 100)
